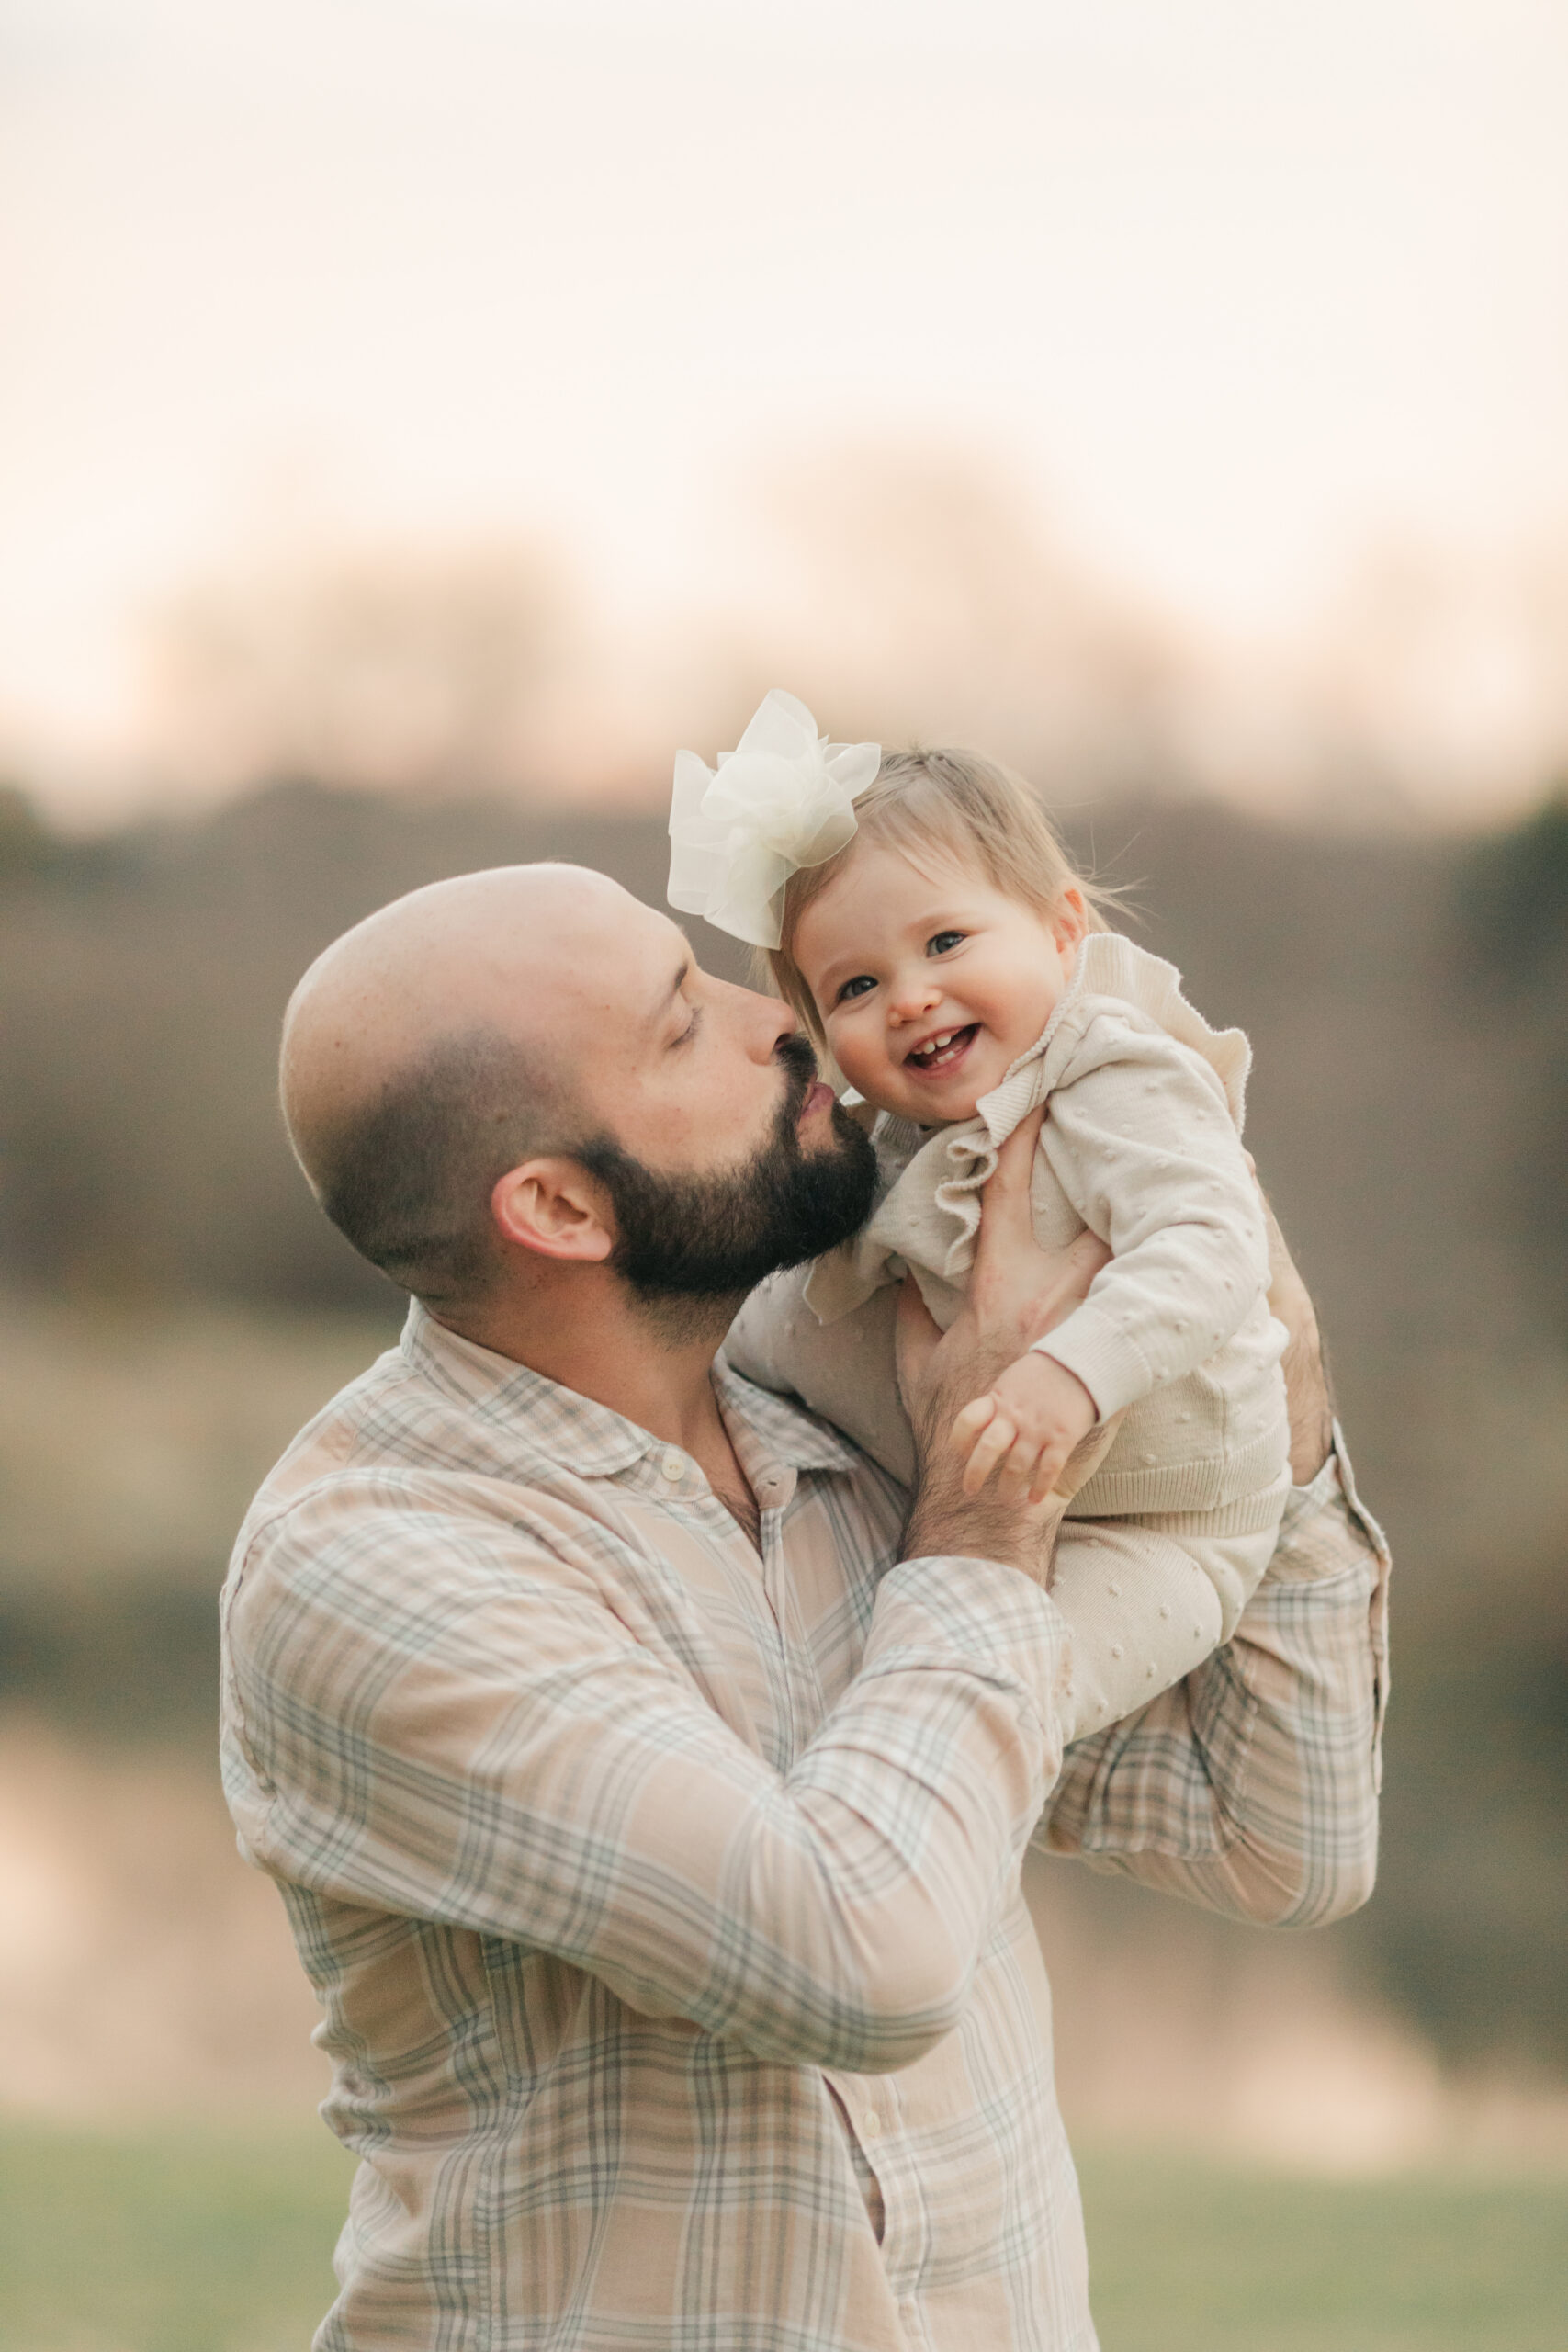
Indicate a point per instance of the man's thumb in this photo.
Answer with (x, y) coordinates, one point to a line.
(915, 1332)
(1005, 1213)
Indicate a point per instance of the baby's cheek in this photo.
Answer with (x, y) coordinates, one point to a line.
(850, 1054)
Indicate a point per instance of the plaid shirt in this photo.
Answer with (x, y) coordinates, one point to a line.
(663, 1899)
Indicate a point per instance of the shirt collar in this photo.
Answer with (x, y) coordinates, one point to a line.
(783, 1423)
(585, 1437)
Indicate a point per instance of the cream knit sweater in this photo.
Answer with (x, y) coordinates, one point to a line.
(1142, 1143)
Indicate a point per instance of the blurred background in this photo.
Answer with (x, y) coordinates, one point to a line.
(415, 419)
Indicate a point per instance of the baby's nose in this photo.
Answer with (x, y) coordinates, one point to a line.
(914, 999)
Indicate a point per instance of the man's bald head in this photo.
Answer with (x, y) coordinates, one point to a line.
(433, 1048)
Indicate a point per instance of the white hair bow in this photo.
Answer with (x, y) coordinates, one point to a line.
(782, 799)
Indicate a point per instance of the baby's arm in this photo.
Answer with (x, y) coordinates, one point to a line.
(1030, 1419)
(1140, 1138)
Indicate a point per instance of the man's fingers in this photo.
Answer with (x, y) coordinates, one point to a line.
(1288, 1297)
(993, 1442)
(1088, 1254)
(1005, 1214)
(1009, 1187)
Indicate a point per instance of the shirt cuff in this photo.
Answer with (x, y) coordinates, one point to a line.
(1325, 1530)
(1335, 1482)
(1303, 1501)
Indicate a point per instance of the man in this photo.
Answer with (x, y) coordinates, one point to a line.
(646, 1778)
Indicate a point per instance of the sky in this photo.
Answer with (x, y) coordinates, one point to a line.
(1232, 291)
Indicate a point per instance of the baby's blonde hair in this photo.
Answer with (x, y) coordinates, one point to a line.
(959, 802)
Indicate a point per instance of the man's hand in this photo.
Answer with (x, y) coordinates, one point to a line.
(1307, 1397)
(1029, 1421)
(1017, 1293)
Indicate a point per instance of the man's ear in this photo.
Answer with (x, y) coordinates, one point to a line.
(553, 1207)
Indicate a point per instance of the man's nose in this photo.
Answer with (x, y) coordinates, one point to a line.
(765, 1019)
(785, 1023)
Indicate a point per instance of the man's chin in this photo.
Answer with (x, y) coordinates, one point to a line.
(691, 1247)
(845, 1136)
(846, 1196)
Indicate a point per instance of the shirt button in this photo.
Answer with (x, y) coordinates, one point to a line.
(872, 2128)
(673, 1466)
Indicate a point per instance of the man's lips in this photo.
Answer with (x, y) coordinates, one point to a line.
(820, 1097)
(943, 1057)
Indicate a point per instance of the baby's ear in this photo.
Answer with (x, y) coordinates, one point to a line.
(1069, 917)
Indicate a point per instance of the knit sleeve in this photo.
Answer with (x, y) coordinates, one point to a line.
(1140, 1138)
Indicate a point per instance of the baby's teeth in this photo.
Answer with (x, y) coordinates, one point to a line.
(935, 1045)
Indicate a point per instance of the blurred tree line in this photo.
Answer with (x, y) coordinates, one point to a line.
(1407, 998)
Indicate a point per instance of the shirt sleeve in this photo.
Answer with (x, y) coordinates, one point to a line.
(1251, 1787)
(1140, 1138)
(436, 1716)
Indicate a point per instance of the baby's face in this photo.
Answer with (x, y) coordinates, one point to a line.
(930, 981)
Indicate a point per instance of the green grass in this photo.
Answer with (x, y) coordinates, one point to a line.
(1185, 2258)
(169, 2242)
(190, 2241)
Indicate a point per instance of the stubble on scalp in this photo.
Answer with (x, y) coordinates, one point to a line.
(406, 1172)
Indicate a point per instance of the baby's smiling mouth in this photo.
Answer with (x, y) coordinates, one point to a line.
(939, 1053)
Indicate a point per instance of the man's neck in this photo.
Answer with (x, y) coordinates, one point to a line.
(589, 1334)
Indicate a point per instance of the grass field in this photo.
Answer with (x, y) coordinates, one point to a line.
(1189, 2258)
(195, 2244)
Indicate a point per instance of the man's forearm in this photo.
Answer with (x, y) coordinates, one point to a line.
(1309, 1402)
(1308, 1398)
(945, 1521)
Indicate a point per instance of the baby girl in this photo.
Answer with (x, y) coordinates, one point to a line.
(920, 916)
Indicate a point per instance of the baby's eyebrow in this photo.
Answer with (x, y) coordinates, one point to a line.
(840, 967)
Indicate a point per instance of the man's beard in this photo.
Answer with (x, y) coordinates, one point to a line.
(690, 1241)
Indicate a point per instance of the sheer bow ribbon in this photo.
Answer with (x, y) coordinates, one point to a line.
(783, 798)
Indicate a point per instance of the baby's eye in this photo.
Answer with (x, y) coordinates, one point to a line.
(857, 987)
(941, 940)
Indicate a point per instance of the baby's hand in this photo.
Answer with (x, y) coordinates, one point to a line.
(1029, 1423)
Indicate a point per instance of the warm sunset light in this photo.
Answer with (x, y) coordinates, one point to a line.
(1248, 322)
(678, 679)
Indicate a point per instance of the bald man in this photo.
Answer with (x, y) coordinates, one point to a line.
(646, 1774)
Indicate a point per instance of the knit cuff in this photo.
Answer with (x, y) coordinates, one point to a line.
(1090, 1344)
